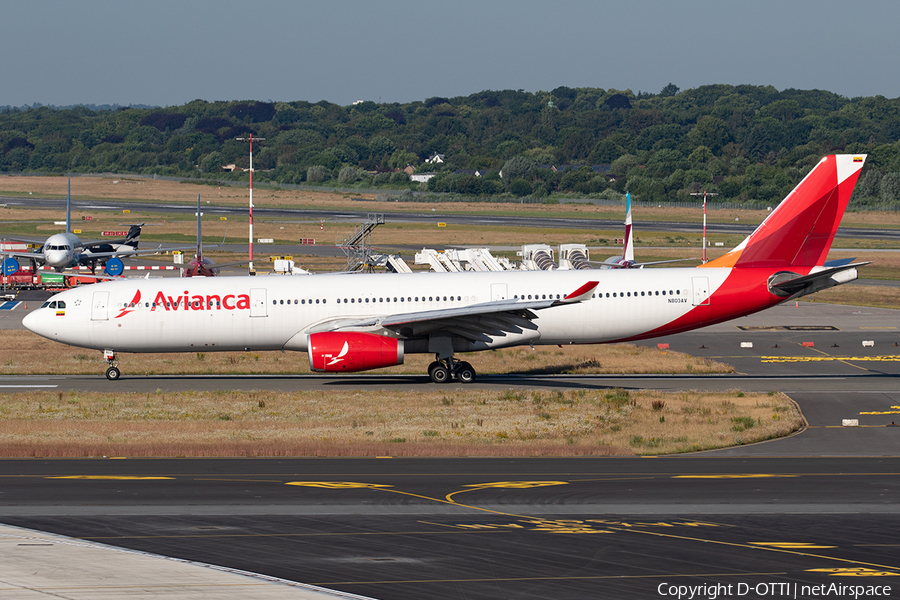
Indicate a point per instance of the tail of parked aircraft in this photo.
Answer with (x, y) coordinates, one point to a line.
(628, 253)
(799, 232)
(199, 231)
(134, 236)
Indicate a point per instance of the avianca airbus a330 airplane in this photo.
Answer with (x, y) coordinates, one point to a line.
(366, 321)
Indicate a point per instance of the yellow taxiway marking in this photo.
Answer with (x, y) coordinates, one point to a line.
(856, 572)
(521, 485)
(338, 485)
(750, 546)
(790, 545)
(513, 485)
(732, 476)
(111, 477)
(800, 359)
(896, 411)
(569, 526)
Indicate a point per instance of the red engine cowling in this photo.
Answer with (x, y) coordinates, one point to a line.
(347, 352)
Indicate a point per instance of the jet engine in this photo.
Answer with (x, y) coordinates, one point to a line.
(335, 351)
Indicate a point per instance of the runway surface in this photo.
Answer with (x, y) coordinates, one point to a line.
(359, 215)
(818, 508)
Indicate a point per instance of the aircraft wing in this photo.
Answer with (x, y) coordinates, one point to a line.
(120, 253)
(477, 322)
(638, 265)
(31, 255)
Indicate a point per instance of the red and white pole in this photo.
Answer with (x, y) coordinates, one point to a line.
(704, 215)
(250, 139)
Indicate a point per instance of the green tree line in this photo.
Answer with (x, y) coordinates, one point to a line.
(747, 143)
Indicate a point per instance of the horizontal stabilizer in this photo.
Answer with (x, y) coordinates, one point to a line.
(839, 262)
(791, 285)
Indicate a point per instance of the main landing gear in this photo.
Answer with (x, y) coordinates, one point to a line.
(442, 371)
(112, 373)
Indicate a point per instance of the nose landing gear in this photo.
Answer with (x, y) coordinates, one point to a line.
(112, 373)
(442, 371)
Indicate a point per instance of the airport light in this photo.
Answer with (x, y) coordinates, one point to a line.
(705, 194)
(250, 139)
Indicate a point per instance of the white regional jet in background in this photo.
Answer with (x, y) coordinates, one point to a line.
(357, 322)
(64, 250)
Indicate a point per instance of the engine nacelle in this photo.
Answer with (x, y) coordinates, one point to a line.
(335, 351)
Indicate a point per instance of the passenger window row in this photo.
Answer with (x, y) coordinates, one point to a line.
(394, 299)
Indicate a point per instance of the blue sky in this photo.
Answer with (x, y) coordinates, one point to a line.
(169, 53)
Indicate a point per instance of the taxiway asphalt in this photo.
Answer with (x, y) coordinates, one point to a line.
(561, 528)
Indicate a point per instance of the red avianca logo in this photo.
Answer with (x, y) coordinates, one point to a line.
(130, 306)
(188, 301)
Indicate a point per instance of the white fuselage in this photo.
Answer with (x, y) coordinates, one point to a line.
(278, 312)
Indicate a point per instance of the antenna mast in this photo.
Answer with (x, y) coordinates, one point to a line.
(250, 139)
(705, 194)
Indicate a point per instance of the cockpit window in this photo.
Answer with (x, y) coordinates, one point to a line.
(52, 304)
(61, 304)
(45, 304)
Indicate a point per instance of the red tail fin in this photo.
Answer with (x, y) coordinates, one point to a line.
(800, 230)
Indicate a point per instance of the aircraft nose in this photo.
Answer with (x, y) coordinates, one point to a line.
(36, 323)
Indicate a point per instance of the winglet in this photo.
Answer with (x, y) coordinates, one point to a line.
(581, 294)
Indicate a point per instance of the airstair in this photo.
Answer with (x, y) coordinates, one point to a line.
(358, 246)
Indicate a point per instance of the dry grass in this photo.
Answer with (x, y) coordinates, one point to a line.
(410, 423)
(859, 295)
(24, 353)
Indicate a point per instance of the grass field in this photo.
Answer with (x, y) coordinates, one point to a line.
(387, 423)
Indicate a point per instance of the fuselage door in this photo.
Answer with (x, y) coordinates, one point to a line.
(701, 291)
(99, 304)
(498, 291)
(258, 302)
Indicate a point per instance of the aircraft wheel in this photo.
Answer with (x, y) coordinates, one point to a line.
(112, 373)
(465, 373)
(439, 373)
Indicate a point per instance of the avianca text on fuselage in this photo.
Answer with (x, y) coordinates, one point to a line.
(187, 301)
